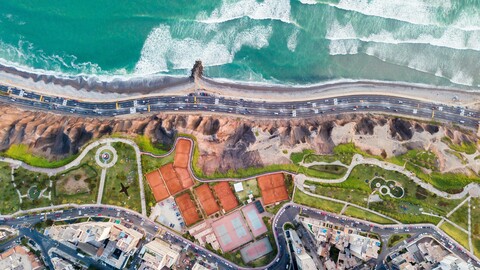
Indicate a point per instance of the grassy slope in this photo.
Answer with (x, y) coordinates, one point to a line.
(304, 199)
(362, 214)
(456, 234)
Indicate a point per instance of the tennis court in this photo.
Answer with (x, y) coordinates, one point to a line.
(225, 195)
(182, 153)
(273, 188)
(256, 250)
(187, 208)
(254, 220)
(208, 202)
(231, 231)
(171, 179)
(184, 177)
(157, 185)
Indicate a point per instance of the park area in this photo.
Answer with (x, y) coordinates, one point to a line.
(79, 185)
(124, 172)
(407, 209)
(9, 202)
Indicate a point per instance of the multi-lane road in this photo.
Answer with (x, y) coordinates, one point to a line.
(202, 102)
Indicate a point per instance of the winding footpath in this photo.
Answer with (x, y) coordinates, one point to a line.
(472, 189)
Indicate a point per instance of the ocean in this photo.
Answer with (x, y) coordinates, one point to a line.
(294, 42)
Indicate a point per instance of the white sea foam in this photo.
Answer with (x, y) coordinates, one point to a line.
(25, 54)
(343, 47)
(462, 78)
(161, 49)
(451, 37)
(292, 40)
(258, 10)
(456, 67)
(423, 12)
(308, 2)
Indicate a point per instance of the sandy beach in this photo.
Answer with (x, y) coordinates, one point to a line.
(93, 89)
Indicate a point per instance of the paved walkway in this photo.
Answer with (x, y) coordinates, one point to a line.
(472, 189)
(101, 186)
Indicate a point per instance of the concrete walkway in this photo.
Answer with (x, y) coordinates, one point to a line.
(472, 189)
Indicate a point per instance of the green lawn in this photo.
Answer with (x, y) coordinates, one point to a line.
(327, 171)
(249, 187)
(397, 238)
(9, 202)
(407, 209)
(362, 214)
(351, 195)
(304, 199)
(151, 163)
(342, 152)
(23, 153)
(456, 234)
(460, 216)
(25, 180)
(149, 198)
(124, 171)
(468, 148)
(297, 157)
(475, 213)
(146, 145)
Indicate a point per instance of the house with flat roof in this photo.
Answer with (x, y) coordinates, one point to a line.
(19, 258)
(107, 241)
(157, 254)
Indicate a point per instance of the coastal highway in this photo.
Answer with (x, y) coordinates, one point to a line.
(202, 102)
(286, 214)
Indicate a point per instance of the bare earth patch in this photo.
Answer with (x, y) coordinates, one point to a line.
(70, 185)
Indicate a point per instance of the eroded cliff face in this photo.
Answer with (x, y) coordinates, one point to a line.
(225, 142)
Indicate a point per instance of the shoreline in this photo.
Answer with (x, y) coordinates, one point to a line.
(93, 89)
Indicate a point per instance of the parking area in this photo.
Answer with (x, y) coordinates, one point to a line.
(167, 213)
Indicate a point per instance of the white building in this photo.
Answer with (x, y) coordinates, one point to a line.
(158, 254)
(238, 187)
(451, 262)
(304, 261)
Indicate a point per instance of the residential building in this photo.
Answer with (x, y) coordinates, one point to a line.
(157, 254)
(304, 261)
(61, 264)
(19, 258)
(109, 242)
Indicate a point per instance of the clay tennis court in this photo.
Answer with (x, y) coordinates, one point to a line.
(184, 177)
(205, 196)
(171, 179)
(157, 185)
(273, 188)
(226, 196)
(187, 209)
(231, 231)
(182, 153)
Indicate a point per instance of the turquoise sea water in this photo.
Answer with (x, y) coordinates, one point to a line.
(293, 42)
